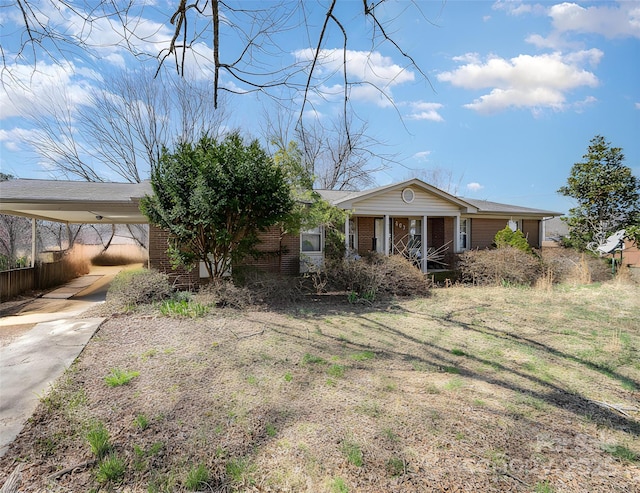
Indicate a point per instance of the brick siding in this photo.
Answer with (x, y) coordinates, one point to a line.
(366, 234)
(159, 260)
(287, 263)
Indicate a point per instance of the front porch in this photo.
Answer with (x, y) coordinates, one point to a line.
(429, 241)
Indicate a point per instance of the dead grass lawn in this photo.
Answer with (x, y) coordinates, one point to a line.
(471, 389)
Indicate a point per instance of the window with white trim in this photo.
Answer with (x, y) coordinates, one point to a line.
(311, 240)
(465, 226)
(353, 234)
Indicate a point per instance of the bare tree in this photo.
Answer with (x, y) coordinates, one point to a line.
(441, 178)
(241, 44)
(339, 159)
(120, 131)
(63, 235)
(15, 240)
(335, 159)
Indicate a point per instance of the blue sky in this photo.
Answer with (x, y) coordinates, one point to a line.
(515, 90)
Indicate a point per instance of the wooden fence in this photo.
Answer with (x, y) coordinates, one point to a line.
(42, 276)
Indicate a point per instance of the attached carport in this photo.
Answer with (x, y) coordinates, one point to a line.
(72, 202)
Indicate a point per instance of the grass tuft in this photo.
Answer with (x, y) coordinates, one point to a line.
(336, 371)
(353, 452)
(621, 452)
(197, 478)
(141, 422)
(98, 438)
(119, 377)
(309, 359)
(110, 470)
(338, 485)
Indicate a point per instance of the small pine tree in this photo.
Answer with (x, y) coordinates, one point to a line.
(507, 237)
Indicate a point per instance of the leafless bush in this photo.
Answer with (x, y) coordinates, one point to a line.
(506, 265)
(121, 255)
(546, 279)
(378, 274)
(573, 267)
(138, 287)
(75, 264)
(223, 292)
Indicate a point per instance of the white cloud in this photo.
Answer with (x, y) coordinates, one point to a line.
(468, 58)
(14, 137)
(374, 73)
(579, 106)
(474, 186)
(526, 81)
(609, 21)
(637, 105)
(42, 90)
(422, 155)
(425, 111)
(517, 7)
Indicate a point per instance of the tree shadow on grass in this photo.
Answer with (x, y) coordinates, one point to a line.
(439, 357)
(551, 393)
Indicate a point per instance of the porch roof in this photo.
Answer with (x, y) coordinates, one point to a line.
(348, 198)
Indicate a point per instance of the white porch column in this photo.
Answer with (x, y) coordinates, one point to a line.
(33, 242)
(425, 247)
(387, 233)
(346, 234)
(456, 233)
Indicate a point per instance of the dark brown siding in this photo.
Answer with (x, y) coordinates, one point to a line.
(484, 230)
(531, 230)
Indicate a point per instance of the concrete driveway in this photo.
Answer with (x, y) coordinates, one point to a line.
(41, 341)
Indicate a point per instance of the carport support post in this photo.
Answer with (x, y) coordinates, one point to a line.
(33, 242)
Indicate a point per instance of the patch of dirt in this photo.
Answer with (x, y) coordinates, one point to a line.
(472, 389)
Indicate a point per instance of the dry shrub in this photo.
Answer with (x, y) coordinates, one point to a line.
(377, 274)
(500, 266)
(138, 287)
(268, 287)
(573, 267)
(545, 281)
(75, 264)
(121, 255)
(223, 292)
(624, 276)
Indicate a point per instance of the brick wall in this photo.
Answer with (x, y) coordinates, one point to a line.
(158, 259)
(270, 241)
(287, 263)
(448, 237)
(400, 234)
(366, 234)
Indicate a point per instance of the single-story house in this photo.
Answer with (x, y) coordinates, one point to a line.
(407, 217)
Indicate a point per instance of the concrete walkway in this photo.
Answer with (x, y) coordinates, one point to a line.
(53, 338)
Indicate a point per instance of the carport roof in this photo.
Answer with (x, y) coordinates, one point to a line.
(74, 201)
